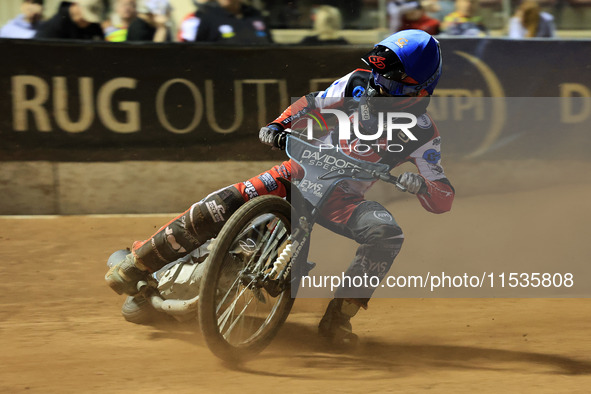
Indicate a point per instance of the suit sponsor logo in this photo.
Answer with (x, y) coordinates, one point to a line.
(383, 215)
(216, 211)
(436, 169)
(424, 122)
(378, 61)
(268, 181)
(401, 42)
(250, 190)
(358, 92)
(432, 156)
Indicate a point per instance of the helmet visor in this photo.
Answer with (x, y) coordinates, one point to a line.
(394, 88)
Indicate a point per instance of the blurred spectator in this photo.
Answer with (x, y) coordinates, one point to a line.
(116, 28)
(350, 9)
(283, 14)
(188, 27)
(79, 19)
(413, 15)
(431, 7)
(438, 9)
(25, 24)
(327, 26)
(529, 21)
(464, 21)
(228, 21)
(152, 22)
(396, 10)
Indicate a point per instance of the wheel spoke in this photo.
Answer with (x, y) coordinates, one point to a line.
(223, 300)
(226, 314)
(238, 314)
(272, 244)
(228, 332)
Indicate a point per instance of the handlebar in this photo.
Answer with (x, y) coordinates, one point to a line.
(388, 178)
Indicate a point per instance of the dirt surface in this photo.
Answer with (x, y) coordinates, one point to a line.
(61, 329)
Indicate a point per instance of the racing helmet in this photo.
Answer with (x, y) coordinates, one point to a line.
(407, 63)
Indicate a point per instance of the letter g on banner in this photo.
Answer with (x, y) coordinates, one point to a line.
(161, 106)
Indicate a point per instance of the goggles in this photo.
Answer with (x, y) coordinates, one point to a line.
(394, 88)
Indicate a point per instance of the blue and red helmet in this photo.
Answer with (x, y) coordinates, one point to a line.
(407, 63)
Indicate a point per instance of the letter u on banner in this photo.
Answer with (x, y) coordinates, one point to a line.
(60, 104)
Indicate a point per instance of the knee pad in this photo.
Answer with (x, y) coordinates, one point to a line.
(383, 235)
(380, 240)
(371, 223)
(381, 246)
(207, 217)
(189, 230)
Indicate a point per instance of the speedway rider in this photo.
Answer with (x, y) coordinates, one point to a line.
(405, 67)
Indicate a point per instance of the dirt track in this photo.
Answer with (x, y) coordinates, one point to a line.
(60, 328)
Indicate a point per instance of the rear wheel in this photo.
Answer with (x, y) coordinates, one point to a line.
(245, 294)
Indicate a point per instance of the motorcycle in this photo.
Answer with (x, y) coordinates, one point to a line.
(241, 285)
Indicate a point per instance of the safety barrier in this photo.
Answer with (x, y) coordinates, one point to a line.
(104, 125)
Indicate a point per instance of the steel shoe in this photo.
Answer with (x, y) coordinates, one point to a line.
(124, 276)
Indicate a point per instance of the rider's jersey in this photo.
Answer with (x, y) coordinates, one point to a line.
(425, 152)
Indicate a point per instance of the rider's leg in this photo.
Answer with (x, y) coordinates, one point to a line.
(380, 239)
(191, 229)
(174, 240)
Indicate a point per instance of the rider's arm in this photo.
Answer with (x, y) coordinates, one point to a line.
(332, 97)
(439, 195)
(274, 133)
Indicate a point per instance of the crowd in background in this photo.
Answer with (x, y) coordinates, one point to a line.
(463, 18)
(238, 21)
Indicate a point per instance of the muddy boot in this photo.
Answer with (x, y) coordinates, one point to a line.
(335, 325)
(124, 276)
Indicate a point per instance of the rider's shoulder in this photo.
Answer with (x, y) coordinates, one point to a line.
(356, 82)
(360, 75)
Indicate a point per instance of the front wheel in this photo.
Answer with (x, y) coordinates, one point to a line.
(245, 294)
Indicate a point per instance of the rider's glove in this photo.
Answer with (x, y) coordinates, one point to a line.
(273, 135)
(414, 183)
